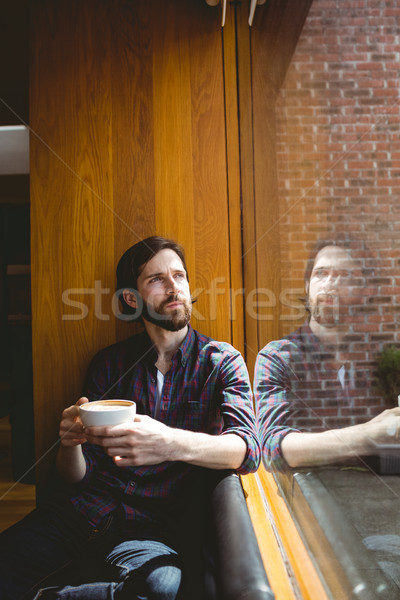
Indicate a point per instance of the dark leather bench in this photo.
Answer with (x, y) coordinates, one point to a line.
(240, 569)
(221, 557)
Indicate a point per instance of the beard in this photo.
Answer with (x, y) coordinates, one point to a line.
(329, 314)
(175, 320)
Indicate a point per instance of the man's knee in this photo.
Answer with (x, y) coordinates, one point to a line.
(164, 583)
(161, 583)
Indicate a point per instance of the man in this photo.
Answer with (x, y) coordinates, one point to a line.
(310, 393)
(131, 483)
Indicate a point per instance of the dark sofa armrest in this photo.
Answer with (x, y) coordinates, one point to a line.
(240, 567)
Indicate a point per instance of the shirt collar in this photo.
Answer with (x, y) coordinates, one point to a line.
(310, 341)
(186, 347)
(183, 351)
(149, 349)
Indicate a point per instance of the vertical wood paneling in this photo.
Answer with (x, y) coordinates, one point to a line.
(129, 140)
(190, 155)
(267, 223)
(234, 189)
(132, 34)
(260, 205)
(250, 255)
(211, 216)
(71, 201)
(264, 53)
(173, 160)
(274, 38)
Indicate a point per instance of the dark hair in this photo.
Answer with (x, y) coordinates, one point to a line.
(351, 245)
(134, 260)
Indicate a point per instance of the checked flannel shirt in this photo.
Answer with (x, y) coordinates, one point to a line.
(297, 387)
(207, 389)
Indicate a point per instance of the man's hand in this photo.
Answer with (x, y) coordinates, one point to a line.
(145, 441)
(336, 445)
(385, 427)
(70, 461)
(72, 432)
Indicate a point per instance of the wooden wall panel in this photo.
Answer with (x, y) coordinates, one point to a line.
(260, 201)
(71, 203)
(190, 161)
(247, 183)
(211, 217)
(172, 129)
(128, 140)
(132, 48)
(264, 54)
(234, 187)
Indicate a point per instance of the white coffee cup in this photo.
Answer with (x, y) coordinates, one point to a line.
(107, 412)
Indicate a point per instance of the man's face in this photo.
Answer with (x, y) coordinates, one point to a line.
(334, 286)
(164, 289)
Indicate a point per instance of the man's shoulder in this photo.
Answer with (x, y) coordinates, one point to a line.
(119, 350)
(207, 344)
(297, 341)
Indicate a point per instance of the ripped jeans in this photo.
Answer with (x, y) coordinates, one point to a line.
(109, 564)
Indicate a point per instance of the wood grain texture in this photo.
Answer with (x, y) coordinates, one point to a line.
(71, 203)
(280, 23)
(234, 187)
(267, 209)
(190, 155)
(301, 564)
(264, 54)
(274, 561)
(173, 156)
(247, 182)
(274, 37)
(128, 140)
(132, 35)
(211, 212)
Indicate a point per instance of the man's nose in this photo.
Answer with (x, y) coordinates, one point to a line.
(333, 279)
(172, 285)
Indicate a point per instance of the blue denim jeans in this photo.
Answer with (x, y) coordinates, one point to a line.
(109, 564)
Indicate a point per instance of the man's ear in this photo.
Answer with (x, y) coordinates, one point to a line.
(130, 298)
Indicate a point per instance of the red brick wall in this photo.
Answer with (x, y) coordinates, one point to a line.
(338, 153)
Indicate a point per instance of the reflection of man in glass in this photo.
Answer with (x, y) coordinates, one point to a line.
(312, 395)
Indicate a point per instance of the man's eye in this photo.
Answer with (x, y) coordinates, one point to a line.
(154, 279)
(320, 273)
(179, 275)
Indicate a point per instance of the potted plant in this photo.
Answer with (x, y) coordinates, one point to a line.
(388, 374)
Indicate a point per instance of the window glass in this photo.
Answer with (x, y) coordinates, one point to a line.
(337, 365)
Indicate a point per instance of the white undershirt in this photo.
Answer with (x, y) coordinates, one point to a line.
(160, 385)
(341, 375)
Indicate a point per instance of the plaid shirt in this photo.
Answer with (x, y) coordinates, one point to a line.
(297, 388)
(207, 389)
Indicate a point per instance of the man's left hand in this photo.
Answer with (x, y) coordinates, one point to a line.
(144, 441)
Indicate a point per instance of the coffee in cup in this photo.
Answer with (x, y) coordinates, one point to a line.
(107, 412)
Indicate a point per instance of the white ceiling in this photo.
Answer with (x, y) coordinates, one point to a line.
(14, 150)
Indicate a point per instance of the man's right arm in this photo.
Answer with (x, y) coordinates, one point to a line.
(283, 445)
(338, 445)
(273, 401)
(70, 461)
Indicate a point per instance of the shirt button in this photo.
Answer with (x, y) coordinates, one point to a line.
(130, 487)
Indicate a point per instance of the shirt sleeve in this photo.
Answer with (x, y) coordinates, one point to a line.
(237, 407)
(272, 390)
